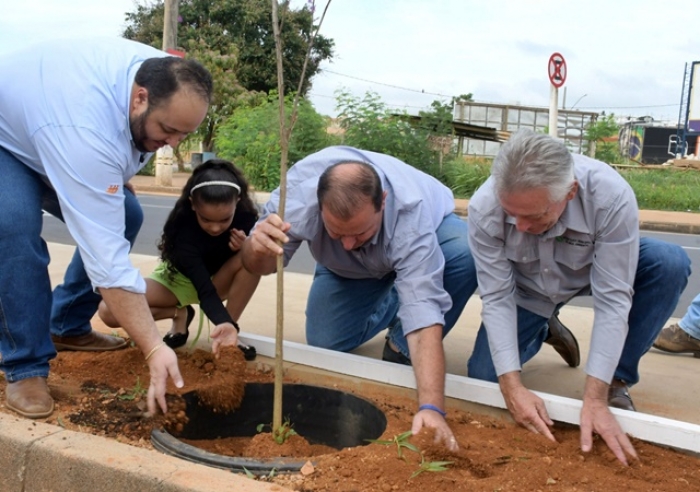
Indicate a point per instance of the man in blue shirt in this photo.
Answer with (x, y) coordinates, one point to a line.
(77, 120)
(390, 253)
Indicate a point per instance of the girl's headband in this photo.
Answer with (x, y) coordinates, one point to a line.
(212, 183)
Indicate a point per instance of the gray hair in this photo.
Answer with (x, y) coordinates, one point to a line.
(530, 160)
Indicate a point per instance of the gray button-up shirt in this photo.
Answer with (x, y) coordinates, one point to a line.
(405, 244)
(594, 247)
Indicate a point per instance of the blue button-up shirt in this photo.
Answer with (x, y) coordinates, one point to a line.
(405, 244)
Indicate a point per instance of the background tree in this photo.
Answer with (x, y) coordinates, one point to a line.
(241, 28)
(251, 139)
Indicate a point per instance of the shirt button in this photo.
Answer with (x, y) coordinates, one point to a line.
(546, 270)
(524, 258)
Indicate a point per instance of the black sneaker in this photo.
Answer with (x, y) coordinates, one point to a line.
(391, 355)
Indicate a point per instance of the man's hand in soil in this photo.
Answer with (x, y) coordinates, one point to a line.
(162, 364)
(428, 358)
(223, 335)
(597, 417)
(526, 408)
(433, 420)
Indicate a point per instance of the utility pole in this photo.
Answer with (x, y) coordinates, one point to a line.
(164, 156)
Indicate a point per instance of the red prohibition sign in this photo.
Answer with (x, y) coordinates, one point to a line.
(557, 70)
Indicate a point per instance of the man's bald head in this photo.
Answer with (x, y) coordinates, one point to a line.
(345, 187)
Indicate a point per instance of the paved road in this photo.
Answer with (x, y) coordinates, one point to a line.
(156, 209)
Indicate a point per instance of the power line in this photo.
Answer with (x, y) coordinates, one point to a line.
(386, 85)
(421, 91)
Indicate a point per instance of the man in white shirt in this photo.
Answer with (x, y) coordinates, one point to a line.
(78, 118)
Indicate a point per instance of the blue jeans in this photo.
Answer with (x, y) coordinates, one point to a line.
(25, 287)
(74, 301)
(691, 321)
(662, 274)
(342, 313)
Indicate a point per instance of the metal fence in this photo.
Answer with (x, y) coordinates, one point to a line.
(509, 118)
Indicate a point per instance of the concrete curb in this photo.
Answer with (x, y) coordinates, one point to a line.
(43, 457)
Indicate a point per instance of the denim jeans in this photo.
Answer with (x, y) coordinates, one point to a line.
(74, 301)
(342, 313)
(691, 320)
(662, 274)
(25, 287)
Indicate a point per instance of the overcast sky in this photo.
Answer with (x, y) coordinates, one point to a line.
(623, 56)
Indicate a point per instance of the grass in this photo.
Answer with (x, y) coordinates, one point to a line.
(665, 189)
(656, 188)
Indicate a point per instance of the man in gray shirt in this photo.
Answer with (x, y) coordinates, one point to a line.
(390, 253)
(547, 226)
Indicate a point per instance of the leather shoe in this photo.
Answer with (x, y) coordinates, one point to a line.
(563, 341)
(674, 339)
(619, 396)
(90, 342)
(29, 397)
(391, 355)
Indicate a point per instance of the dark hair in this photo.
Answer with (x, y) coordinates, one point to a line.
(182, 213)
(164, 76)
(343, 194)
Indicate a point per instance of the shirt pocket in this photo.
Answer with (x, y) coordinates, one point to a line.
(524, 258)
(575, 258)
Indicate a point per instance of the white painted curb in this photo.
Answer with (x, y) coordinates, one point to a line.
(658, 430)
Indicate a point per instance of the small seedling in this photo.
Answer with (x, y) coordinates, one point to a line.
(135, 392)
(281, 434)
(431, 466)
(400, 440)
(248, 473)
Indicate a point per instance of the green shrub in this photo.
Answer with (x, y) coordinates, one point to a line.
(250, 138)
(464, 175)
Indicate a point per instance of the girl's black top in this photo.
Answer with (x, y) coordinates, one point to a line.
(198, 256)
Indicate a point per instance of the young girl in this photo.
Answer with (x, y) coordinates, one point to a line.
(200, 264)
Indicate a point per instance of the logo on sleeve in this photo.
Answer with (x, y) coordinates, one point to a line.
(112, 189)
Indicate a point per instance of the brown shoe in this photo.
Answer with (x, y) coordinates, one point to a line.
(563, 341)
(91, 342)
(675, 340)
(619, 396)
(29, 397)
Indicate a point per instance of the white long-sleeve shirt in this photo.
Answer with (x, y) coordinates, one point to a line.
(64, 112)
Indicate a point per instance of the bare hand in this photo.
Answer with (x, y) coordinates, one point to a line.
(264, 239)
(223, 335)
(526, 408)
(597, 417)
(433, 420)
(236, 239)
(162, 364)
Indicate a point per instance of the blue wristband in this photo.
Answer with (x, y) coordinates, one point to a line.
(428, 406)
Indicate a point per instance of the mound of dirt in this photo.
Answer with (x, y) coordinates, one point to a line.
(103, 394)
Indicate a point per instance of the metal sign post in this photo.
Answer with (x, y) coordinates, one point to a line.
(557, 76)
